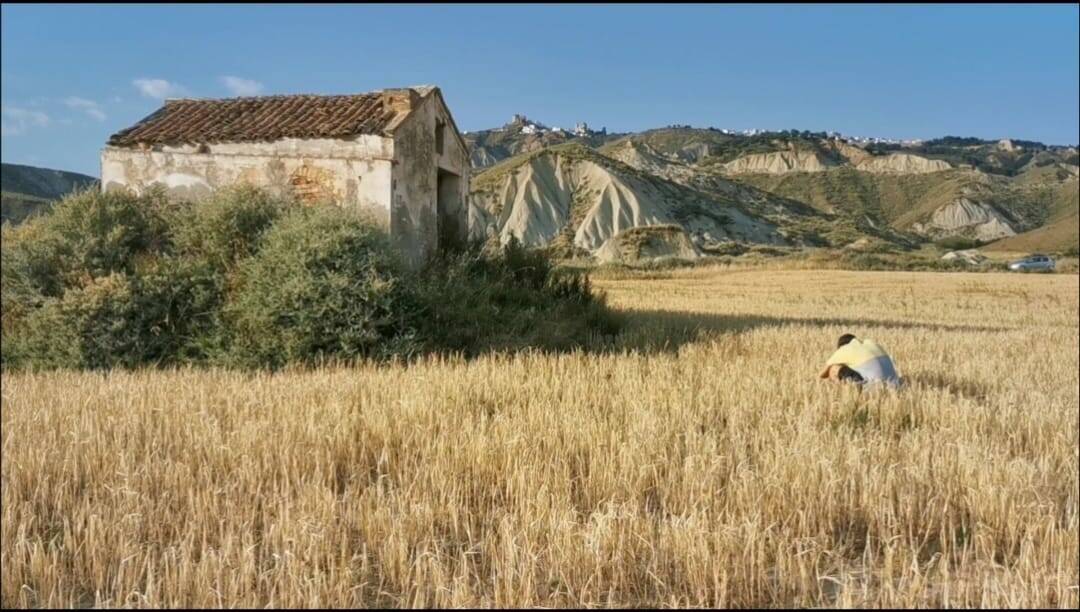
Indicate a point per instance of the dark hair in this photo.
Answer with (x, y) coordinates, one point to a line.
(844, 340)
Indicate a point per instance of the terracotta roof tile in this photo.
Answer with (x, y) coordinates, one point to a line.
(260, 118)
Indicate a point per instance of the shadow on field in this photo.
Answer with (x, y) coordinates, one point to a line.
(666, 330)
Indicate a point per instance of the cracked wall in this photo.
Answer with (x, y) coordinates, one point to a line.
(415, 213)
(354, 173)
(393, 180)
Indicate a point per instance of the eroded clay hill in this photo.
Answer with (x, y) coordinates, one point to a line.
(778, 162)
(643, 157)
(574, 198)
(787, 188)
(900, 163)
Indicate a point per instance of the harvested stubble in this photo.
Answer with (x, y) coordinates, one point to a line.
(707, 467)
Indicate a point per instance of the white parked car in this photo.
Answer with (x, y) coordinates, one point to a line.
(1032, 262)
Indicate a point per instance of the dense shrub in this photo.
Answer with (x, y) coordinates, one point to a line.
(910, 263)
(324, 284)
(24, 267)
(54, 266)
(228, 226)
(66, 276)
(725, 248)
(91, 234)
(164, 315)
(506, 298)
(181, 301)
(244, 279)
(957, 243)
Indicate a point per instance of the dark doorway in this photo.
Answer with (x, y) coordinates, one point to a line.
(451, 211)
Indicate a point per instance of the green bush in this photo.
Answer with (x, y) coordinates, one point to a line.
(228, 226)
(25, 266)
(506, 298)
(80, 285)
(165, 315)
(181, 300)
(725, 248)
(246, 280)
(910, 263)
(325, 284)
(90, 234)
(957, 243)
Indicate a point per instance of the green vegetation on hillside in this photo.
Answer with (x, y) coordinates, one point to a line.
(710, 146)
(685, 143)
(42, 182)
(900, 200)
(984, 155)
(881, 200)
(997, 185)
(1061, 236)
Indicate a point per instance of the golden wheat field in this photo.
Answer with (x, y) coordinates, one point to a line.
(701, 464)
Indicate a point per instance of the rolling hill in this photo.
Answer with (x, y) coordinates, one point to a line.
(807, 188)
(572, 199)
(521, 135)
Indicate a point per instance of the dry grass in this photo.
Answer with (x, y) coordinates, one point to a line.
(710, 467)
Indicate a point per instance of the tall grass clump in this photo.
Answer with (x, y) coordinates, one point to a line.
(246, 279)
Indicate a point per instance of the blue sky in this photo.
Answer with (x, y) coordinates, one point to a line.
(72, 75)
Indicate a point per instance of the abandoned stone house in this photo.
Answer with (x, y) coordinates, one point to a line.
(395, 153)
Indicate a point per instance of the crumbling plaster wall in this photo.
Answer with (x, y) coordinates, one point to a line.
(455, 159)
(414, 212)
(356, 172)
(393, 179)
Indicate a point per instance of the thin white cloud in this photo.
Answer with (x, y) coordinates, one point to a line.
(241, 87)
(91, 108)
(158, 88)
(15, 120)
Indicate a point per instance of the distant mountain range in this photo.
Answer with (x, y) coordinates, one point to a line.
(578, 189)
(26, 190)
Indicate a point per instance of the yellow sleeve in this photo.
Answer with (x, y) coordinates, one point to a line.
(873, 349)
(845, 355)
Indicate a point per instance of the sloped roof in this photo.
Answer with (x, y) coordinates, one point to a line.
(262, 118)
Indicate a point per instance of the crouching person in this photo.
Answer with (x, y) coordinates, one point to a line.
(862, 362)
